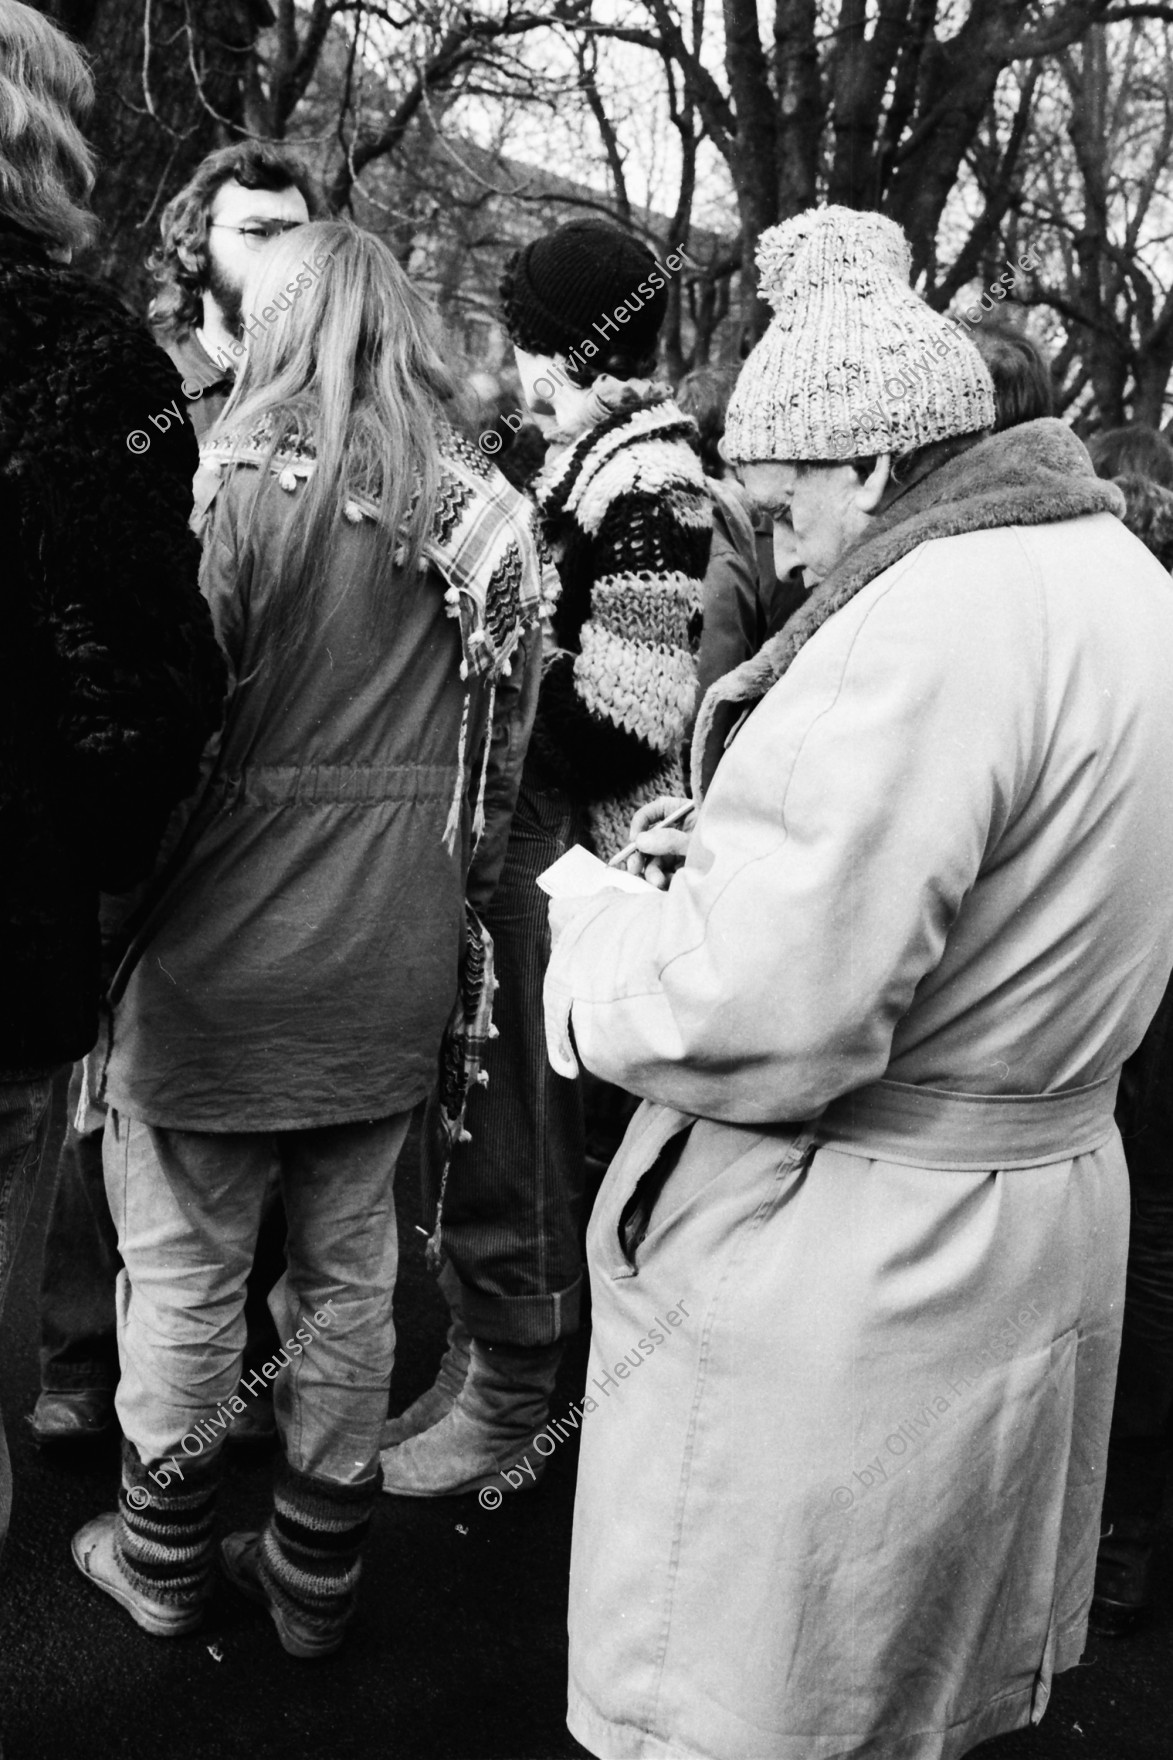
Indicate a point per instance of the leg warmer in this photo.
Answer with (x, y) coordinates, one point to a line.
(163, 1541)
(309, 1554)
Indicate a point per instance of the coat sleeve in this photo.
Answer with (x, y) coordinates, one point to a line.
(844, 827)
(517, 699)
(140, 675)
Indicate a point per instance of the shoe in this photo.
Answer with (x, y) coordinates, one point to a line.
(240, 1561)
(93, 1554)
(80, 1415)
(1123, 1596)
(256, 1426)
(440, 1398)
(489, 1432)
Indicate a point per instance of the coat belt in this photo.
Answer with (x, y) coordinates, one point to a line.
(933, 1127)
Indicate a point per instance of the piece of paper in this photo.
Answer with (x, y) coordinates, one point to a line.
(579, 874)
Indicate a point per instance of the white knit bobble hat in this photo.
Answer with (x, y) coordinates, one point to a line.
(854, 362)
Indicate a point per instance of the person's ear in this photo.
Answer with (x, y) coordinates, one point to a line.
(870, 492)
(189, 258)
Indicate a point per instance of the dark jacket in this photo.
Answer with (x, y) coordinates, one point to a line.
(207, 384)
(734, 626)
(110, 677)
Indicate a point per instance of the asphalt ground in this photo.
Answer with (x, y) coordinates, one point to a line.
(458, 1649)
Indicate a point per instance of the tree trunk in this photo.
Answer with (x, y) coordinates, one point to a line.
(755, 161)
(153, 123)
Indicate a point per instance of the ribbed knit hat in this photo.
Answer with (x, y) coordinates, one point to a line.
(854, 362)
(555, 290)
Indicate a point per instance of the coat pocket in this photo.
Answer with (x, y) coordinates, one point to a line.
(654, 1130)
(670, 1164)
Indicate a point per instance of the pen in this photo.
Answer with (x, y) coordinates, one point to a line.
(660, 825)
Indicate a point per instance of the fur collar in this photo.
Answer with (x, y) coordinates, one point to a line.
(1033, 475)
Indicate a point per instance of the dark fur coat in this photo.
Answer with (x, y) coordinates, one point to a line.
(110, 677)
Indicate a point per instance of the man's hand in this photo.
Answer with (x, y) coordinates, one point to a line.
(660, 852)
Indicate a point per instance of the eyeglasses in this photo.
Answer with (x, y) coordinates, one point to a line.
(258, 232)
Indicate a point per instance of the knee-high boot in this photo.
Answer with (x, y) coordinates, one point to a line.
(492, 1423)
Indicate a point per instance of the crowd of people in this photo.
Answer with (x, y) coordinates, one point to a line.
(847, 677)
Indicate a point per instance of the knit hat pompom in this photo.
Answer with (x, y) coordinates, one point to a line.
(564, 289)
(854, 362)
(874, 245)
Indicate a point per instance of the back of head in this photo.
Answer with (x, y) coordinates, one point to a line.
(344, 357)
(588, 288)
(46, 167)
(1021, 374)
(1148, 515)
(1136, 450)
(854, 363)
(704, 395)
(180, 264)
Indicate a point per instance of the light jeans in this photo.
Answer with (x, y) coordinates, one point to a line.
(187, 1206)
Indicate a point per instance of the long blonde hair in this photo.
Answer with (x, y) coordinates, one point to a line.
(46, 166)
(348, 361)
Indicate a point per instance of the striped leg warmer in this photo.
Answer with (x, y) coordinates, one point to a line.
(309, 1555)
(163, 1541)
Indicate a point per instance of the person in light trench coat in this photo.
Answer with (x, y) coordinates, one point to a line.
(846, 1503)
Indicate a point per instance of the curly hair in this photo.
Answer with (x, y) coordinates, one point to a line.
(704, 395)
(1021, 373)
(1148, 514)
(252, 164)
(46, 166)
(1137, 450)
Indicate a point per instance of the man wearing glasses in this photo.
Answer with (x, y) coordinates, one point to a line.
(238, 198)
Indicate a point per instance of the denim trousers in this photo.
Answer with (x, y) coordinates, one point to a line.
(511, 1225)
(79, 1340)
(187, 1207)
(32, 1113)
(1140, 1456)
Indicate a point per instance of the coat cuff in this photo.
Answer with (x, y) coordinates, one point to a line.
(558, 1003)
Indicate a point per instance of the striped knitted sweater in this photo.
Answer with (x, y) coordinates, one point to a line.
(627, 514)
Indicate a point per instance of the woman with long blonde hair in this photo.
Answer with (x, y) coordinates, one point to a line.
(281, 1005)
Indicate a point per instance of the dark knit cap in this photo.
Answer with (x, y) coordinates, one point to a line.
(555, 291)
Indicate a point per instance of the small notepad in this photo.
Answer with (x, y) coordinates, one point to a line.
(579, 874)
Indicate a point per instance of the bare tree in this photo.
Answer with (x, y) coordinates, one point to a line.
(874, 105)
(1094, 200)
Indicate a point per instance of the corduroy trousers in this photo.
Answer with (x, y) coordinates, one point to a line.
(512, 1206)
